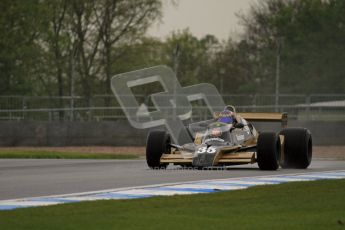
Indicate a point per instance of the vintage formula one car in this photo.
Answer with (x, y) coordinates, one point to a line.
(225, 140)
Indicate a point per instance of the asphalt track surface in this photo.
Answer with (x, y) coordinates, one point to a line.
(30, 178)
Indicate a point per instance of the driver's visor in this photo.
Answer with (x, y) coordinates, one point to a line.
(227, 120)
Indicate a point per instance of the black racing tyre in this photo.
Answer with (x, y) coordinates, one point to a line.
(268, 151)
(298, 148)
(158, 142)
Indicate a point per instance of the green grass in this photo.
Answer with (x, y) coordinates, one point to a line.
(62, 155)
(298, 205)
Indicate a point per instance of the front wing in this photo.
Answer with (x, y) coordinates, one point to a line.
(226, 156)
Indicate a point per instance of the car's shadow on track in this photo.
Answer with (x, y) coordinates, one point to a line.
(170, 169)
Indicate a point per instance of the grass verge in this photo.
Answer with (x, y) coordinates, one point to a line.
(298, 205)
(62, 155)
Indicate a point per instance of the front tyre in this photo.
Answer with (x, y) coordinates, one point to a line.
(298, 148)
(158, 142)
(268, 151)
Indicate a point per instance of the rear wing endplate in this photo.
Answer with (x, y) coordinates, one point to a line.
(266, 117)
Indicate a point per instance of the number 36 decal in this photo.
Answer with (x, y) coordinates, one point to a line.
(208, 150)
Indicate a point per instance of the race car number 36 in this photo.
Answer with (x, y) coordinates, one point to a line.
(208, 150)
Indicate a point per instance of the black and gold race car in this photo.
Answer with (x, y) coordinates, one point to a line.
(231, 139)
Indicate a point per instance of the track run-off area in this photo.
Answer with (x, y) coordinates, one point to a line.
(27, 183)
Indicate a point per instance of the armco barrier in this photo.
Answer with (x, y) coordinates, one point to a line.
(120, 133)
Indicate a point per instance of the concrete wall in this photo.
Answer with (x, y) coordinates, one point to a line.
(120, 133)
(323, 133)
(70, 134)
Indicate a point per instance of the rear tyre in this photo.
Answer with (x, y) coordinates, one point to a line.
(298, 148)
(268, 151)
(158, 142)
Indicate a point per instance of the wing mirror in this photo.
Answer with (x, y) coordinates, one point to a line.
(239, 126)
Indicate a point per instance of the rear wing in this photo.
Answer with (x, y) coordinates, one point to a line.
(266, 117)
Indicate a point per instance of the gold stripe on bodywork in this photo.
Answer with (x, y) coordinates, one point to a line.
(243, 157)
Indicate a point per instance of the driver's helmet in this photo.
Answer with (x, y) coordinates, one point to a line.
(226, 116)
